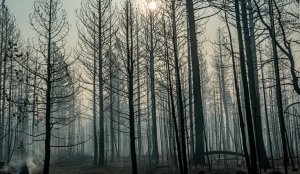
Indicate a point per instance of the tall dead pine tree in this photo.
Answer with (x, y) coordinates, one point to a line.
(49, 21)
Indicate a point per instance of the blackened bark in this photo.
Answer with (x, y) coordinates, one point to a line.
(266, 113)
(178, 85)
(111, 93)
(4, 87)
(155, 154)
(94, 105)
(237, 91)
(1, 65)
(101, 161)
(190, 93)
(278, 91)
(258, 123)
(48, 99)
(175, 123)
(198, 107)
(254, 168)
(139, 91)
(129, 42)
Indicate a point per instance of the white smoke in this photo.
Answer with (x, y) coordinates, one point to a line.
(35, 164)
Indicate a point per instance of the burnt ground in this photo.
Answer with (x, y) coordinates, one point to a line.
(124, 167)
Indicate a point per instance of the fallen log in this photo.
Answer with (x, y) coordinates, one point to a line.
(225, 153)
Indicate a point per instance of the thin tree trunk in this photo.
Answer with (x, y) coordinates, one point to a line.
(1, 66)
(33, 108)
(139, 91)
(118, 115)
(181, 117)
(175, 122)
(9, 134)
(111, 94)
(222, 83)
(3, 91)
(190, 94)
(94, 104)
(266, 112)
(278, 91)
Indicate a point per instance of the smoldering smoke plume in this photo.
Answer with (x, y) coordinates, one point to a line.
(34, 164)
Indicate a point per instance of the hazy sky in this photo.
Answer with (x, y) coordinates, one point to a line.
(22, 9)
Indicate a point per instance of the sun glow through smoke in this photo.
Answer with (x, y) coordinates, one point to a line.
(152, 5)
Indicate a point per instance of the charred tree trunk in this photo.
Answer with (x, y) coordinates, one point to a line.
(129, 41)
(262, 155)
(181, 117)
(3, 91)
(139, 91)
(155, 154)
(190, 94)
(198, 107)
(266, 113)
(111, 94)
(175, 123)
(48, 99)
(237, 91)
(101, 161)
(254, 168)
(94, 105)
(3, 18)
(278, 91)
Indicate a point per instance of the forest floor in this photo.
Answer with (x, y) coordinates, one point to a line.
(124, 167)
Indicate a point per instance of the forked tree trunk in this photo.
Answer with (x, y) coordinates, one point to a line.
(223, 91)
(175, 123)
(258, 125)
(254, 168)
(178, 85)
